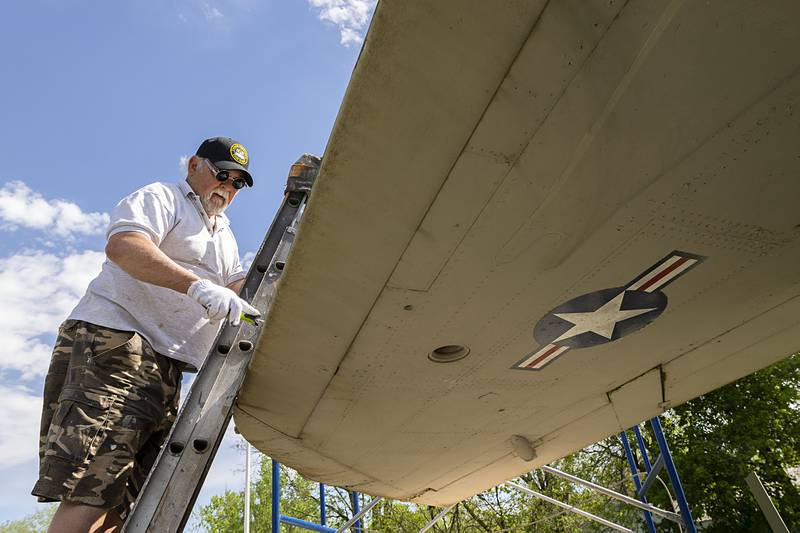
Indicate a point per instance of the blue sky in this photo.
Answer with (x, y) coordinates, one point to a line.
(100, 98)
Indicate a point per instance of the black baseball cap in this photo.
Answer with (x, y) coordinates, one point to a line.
(226, 154)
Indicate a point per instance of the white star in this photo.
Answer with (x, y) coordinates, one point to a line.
(601, 321)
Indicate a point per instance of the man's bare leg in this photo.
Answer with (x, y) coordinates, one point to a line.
(78, 518)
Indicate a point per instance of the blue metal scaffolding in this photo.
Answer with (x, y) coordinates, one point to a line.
(278, 518)
(664, 460)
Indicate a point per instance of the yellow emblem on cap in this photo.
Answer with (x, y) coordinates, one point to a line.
(239, 154)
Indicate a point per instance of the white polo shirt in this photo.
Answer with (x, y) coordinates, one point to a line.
(171, 215)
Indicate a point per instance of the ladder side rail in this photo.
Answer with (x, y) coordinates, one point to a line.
(686, 513)
(648, 518)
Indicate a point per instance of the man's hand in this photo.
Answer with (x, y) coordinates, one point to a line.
(220, 302)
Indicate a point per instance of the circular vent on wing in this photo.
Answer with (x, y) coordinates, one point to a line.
(448, 353)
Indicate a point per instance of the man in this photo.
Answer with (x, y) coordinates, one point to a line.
(111, 394)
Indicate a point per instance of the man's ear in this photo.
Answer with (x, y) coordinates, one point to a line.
(193, 166)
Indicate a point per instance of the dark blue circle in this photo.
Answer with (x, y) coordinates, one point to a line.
(551, 327)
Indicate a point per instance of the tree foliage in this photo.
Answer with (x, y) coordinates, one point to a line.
(750, 425)
(34, 523)
(716, 440)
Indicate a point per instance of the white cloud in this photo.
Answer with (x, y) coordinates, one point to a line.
(212, 13)
(20, 411)
(184, 164)
(247, 260)
(38, 290)
(22, 207)
(351, 16)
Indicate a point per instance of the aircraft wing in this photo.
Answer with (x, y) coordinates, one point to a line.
(588, 207)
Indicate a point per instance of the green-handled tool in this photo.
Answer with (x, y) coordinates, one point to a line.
(253, 319)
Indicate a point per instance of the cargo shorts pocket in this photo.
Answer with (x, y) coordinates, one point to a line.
(75, 431)
(91, 451)
(113, 346)
(103, 361)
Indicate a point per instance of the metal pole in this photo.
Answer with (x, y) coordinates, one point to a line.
(359, 514)
(686, 514)
(642, 448)
(247, 491)
(356, 511)
(776, 523)
(322, 519)
(648, 518)
(304, 524)
(276, 496)
(608, 492)
(571, 508)
(436, 518)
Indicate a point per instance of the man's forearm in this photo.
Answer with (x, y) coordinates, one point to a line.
(136, 254)
(236, 286)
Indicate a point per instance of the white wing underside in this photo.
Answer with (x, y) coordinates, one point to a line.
(493, 160)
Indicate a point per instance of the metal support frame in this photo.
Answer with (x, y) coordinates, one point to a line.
(652, 475)
(168, 495)
(648, 518)
(613, 494)
(356, 509)
(247, 490)
(568, 507)
(664, 460)
(304, 524)
(774, 519)
(278, 518)
(276, 496)
(359, 513)
(436, 518)
(322, 518)
(686, 514)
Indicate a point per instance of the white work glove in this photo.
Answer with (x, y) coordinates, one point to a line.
(220, 302)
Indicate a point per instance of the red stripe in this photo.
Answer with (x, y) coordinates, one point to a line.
(544, 356)
(663, 273)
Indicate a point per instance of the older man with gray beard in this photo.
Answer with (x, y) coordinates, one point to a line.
(111, 394)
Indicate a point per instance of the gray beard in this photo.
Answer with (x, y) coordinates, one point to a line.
(211, 209)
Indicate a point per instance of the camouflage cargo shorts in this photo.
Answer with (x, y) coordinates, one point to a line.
(109, 403)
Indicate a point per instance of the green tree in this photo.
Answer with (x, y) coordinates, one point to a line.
(749, 425)
(225, 513)
(34, 523)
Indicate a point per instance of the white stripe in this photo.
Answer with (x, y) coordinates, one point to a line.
(663, 281)
(533, 357)
(550, 357)
(666, 264)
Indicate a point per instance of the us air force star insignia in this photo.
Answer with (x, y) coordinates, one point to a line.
(239, 154)
(606, 315)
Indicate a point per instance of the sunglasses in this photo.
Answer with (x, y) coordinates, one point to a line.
(223, 175)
